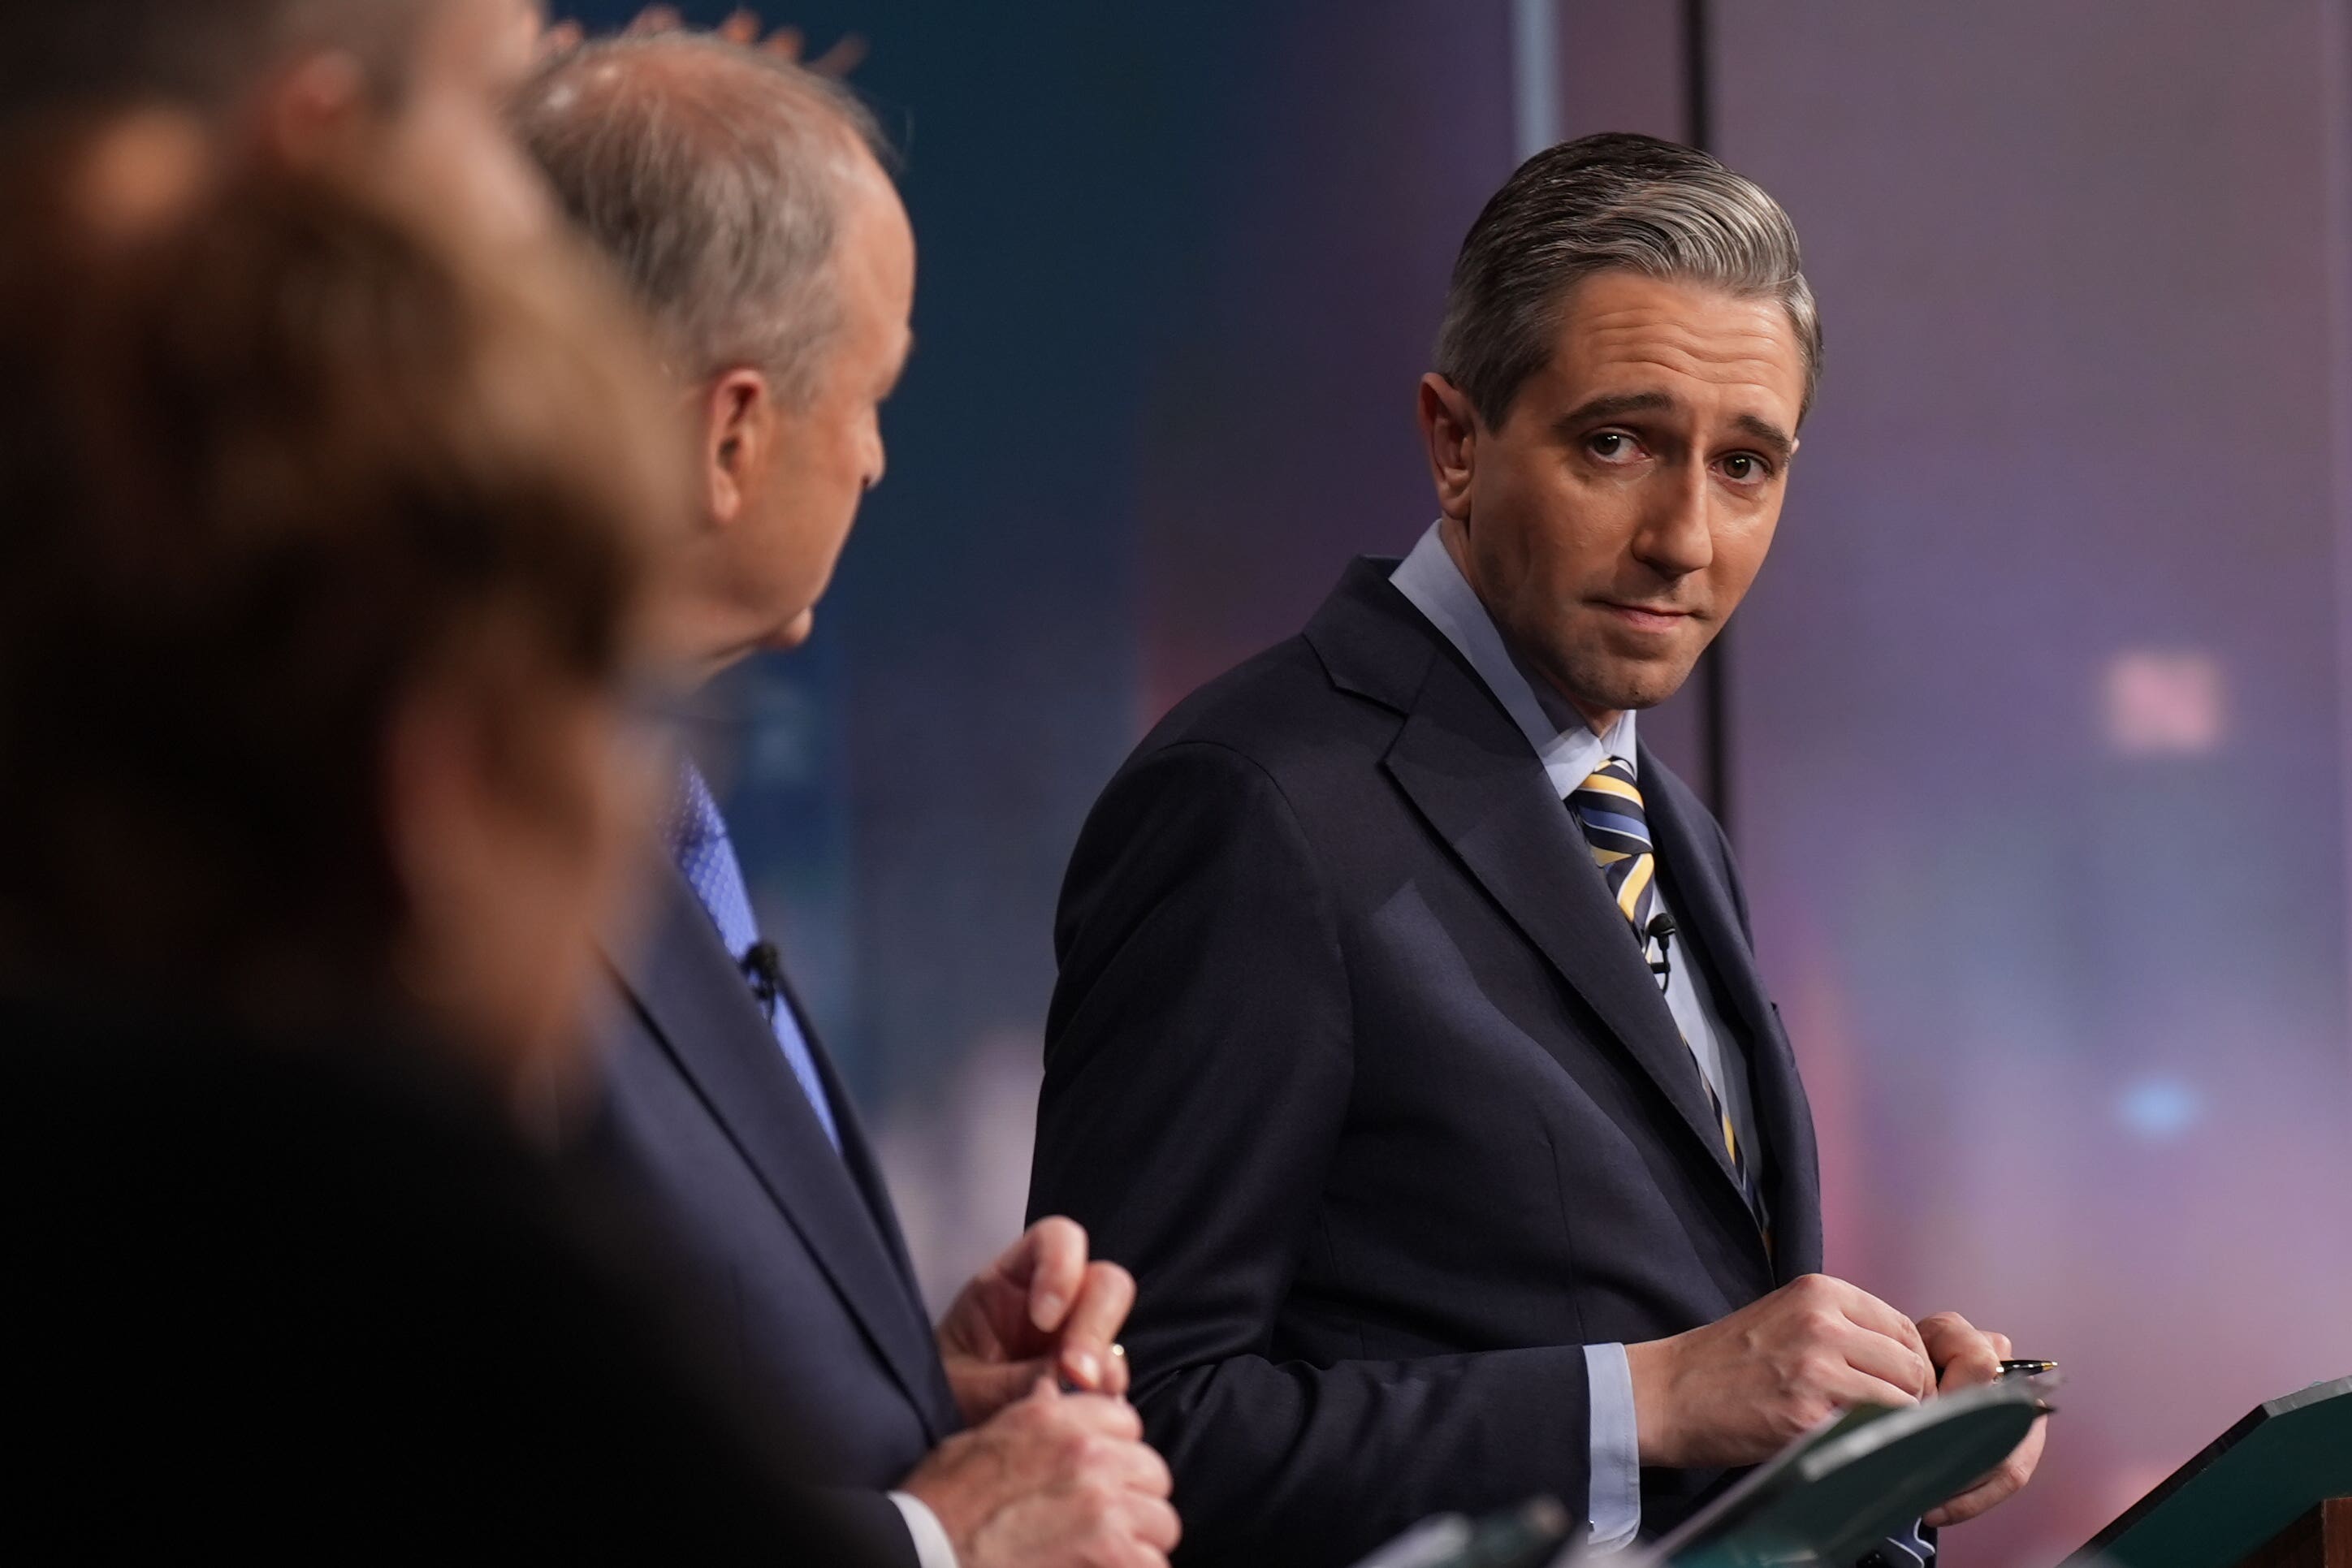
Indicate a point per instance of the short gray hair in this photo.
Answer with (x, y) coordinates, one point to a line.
(712, 175)
(1609, 203)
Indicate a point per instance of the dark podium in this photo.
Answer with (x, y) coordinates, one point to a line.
(2273, 1492)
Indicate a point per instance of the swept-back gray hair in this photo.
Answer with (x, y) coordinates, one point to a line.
(713, 176)
(1612, 202)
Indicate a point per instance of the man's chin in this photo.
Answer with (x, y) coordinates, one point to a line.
(1626, 686)
(793, 632)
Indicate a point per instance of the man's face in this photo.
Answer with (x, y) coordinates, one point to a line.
(1615, 521)
(828, 452)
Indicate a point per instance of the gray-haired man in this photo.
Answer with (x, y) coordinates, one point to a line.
(1409, 1046)
(743, 199)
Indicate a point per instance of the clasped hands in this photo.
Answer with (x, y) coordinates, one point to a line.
(1044, 1476)
(1737, 1390)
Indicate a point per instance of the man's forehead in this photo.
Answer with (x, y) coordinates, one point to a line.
(1626, 334)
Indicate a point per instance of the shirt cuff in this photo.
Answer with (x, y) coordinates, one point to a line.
(932, 1547)
(1614, 1505)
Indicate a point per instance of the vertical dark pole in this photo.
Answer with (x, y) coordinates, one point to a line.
(1715, 668)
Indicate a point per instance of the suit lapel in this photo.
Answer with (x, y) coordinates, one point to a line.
(1696, 882)
(696, 1004)
(1469, 772)
(857, 1150)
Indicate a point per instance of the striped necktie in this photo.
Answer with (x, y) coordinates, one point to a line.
(1608, 806)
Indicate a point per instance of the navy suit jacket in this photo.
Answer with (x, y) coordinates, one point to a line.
(1354, 1062)
(805, 1283)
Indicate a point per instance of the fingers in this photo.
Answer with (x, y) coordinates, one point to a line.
(1154, 1522)
(983, 1388)
(1895, 1369)
(1138, 1468)
(1962, 1354)
(1102, 1415)
(1861, 1308)
(1999, 1487)
(1106, 1295)
(1852, 1383)
(1050, 1257)
(655, 19)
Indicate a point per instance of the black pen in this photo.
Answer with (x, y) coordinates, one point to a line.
(2027, 1368)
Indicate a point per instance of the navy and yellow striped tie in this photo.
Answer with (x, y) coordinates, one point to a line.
(1609, 807)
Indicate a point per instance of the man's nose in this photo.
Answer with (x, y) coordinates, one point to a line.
(1676, 538)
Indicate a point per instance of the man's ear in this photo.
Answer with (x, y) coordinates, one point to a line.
(1449, 435)
(739, 437)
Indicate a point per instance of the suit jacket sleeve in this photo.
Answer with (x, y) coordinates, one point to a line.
(875, 1522)
(1198, 1066)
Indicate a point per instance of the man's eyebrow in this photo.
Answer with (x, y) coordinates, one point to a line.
(1783, 444)
(1610, 406)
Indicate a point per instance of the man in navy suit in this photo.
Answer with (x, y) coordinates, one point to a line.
(1409, 1045)
(745, 200)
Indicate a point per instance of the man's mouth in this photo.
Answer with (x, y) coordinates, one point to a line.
(1646, 617)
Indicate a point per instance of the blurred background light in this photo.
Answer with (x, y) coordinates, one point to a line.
(2164, 704)
(2160, 1109)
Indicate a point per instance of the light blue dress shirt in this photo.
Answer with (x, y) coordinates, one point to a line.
(705, 854)
(1570, 752)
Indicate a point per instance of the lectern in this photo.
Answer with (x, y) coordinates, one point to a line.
(2273, 1491)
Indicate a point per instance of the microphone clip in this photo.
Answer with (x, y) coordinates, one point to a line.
(764, 967)
(1660, 931)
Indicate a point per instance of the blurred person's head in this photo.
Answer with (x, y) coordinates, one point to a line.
(745, 202)
(410, 89)
(322, 578)
(1629, 347)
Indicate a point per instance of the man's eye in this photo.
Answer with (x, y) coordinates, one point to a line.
(1743, 467)
(1611, 446)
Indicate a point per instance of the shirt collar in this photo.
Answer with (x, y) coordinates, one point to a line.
(1562, 740)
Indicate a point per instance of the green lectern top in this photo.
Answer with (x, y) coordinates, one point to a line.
(1832, 1494)
(2251, 1483)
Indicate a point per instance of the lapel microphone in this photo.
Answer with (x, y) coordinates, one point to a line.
(764, 967)
(1660, 930)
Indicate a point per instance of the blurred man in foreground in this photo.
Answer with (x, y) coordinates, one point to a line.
(1408, 1044)
(745, 201)
(322, 583)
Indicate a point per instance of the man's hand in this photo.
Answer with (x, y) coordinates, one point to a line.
(1967, 1356)
(1734, 1392)
(1041, 1310)
(1057, 1480)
